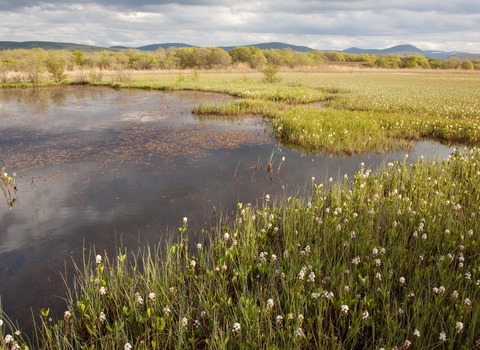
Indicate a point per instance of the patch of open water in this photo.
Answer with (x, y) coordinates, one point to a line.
(104, 167)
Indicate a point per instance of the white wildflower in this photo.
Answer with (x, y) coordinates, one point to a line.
(279, 320)
(98, 259)
(192, 264)
(269, 304)
(236, 328)
(311, 277)
(138, 299)
(299, 332)
(166, 311)
(365, 314)
(8, 339)
(442, 336)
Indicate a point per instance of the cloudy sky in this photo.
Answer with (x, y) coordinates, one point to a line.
(448, 25)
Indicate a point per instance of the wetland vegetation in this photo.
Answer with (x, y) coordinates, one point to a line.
(381, 259)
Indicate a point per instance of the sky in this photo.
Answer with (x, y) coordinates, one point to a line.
(446, 25)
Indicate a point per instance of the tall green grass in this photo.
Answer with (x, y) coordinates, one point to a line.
(382, 110)
(380, 260)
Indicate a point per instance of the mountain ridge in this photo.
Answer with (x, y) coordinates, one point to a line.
(402, 50)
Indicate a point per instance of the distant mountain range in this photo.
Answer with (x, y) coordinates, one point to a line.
(49, 45)
(402, 50)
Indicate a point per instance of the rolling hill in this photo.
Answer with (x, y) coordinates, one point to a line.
(402, 50)
(49, 45)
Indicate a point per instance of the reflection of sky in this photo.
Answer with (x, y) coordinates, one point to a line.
(60, 109)
(80, 203)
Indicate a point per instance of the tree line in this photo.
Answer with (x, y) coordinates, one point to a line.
(20, 65)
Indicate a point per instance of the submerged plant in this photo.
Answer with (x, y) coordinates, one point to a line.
(9, 187)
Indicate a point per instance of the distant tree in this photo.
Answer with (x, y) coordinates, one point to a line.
(302, 59)
(274, 57)
(202, 59)
(218, 58)
(413, 61)
(409, 62)
(252, 56)
(317, 57)
(240, 54)
(388, 61)
(258, 60)
(335, 56)
(467, 65)
(451, 63)
(55, 65)
(364, 57)
(435, 63)
(382, 62)
(287, 59)
(140, 60)
(186, 57)
(6, 66)
(108, 60)
(31, 64)
(79, 58)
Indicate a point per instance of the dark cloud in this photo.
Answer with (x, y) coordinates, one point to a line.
(452, 25)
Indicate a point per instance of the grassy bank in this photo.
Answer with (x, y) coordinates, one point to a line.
(344, 112)
(379, 261)
(334, 111)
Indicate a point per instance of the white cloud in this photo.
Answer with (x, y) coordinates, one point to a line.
(318, 24)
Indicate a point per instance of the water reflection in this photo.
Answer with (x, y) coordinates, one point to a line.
(102, 166)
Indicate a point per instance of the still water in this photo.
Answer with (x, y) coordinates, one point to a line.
(102, 167)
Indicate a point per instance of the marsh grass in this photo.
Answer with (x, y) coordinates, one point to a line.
(377, 260)
(381, 111)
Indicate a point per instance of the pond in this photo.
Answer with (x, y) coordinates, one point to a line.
(103, 167)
